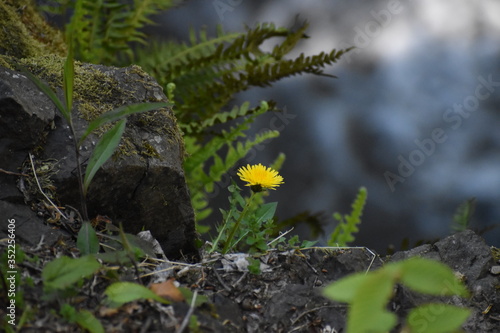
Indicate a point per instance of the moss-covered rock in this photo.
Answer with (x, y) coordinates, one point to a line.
(143, 185)
(25, 33)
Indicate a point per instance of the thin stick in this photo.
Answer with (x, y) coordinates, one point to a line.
(40, 188)
(13, 173)
(280, 236)
(188, 314)
(348, 248)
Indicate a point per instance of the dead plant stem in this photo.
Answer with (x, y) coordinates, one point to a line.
(41, 190)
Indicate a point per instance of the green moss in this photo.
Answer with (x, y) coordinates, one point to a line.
(495, 252)
(149, 150)
(96, 92)
(26, 39)
(6, 61)
(25, 33)
(126, 148)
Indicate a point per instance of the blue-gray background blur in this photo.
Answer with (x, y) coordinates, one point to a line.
(409, 116)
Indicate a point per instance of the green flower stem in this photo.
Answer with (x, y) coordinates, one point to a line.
(83, 197)
(229, 239)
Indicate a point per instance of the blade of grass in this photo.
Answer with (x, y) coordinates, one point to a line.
(49, 92)
(103, 151)
(120, 113)
(87, 241)
(68, 80)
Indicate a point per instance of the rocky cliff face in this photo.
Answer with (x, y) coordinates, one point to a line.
(142, 186)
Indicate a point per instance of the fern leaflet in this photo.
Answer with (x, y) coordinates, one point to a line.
(348, 224)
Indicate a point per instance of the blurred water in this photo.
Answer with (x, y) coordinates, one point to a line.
(415, 62)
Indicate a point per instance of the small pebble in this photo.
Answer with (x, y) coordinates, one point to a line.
(495, 270)
(318, 283)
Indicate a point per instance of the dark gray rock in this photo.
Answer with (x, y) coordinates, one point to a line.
(471, 259)
(25, 115)
(467, 253)
(28, 228)
(142, 186)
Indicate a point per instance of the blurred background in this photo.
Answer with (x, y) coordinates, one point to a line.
(414, 114)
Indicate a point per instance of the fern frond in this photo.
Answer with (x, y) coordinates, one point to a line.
(315, 222)
(463, 215)
(105, 29)
(291, 40)
(215, 69)
(348, 224)
(206, 72)
(269, 73)
(234, 154)
(199, 154)
(203, 176)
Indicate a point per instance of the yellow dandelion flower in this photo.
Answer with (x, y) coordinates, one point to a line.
(260, 177)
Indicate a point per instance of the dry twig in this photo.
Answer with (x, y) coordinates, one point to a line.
(13, 173)
(188, 314)
(41, 190)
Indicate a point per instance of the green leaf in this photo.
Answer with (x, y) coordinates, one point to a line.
(188, 296)
(430, 277)
(306, 243)
(368, 311)
(68, 312)
(254, 265)
(64, 271)
(120, 113)
(68, 79)
(123, 292)
(266, 212)
(368, 295)
(437, 318)
(87, 241)
(115, 257)
(103, 151)
(375, 321)
(50, 94)
(86, 320)
(345, 289)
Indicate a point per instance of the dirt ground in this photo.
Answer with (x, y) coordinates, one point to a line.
(285, 297)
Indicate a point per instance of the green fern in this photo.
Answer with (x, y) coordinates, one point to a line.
(348, 224)
(209, 72)
(196, 164)
(106, 28)
(201, 76)
(463, 215)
